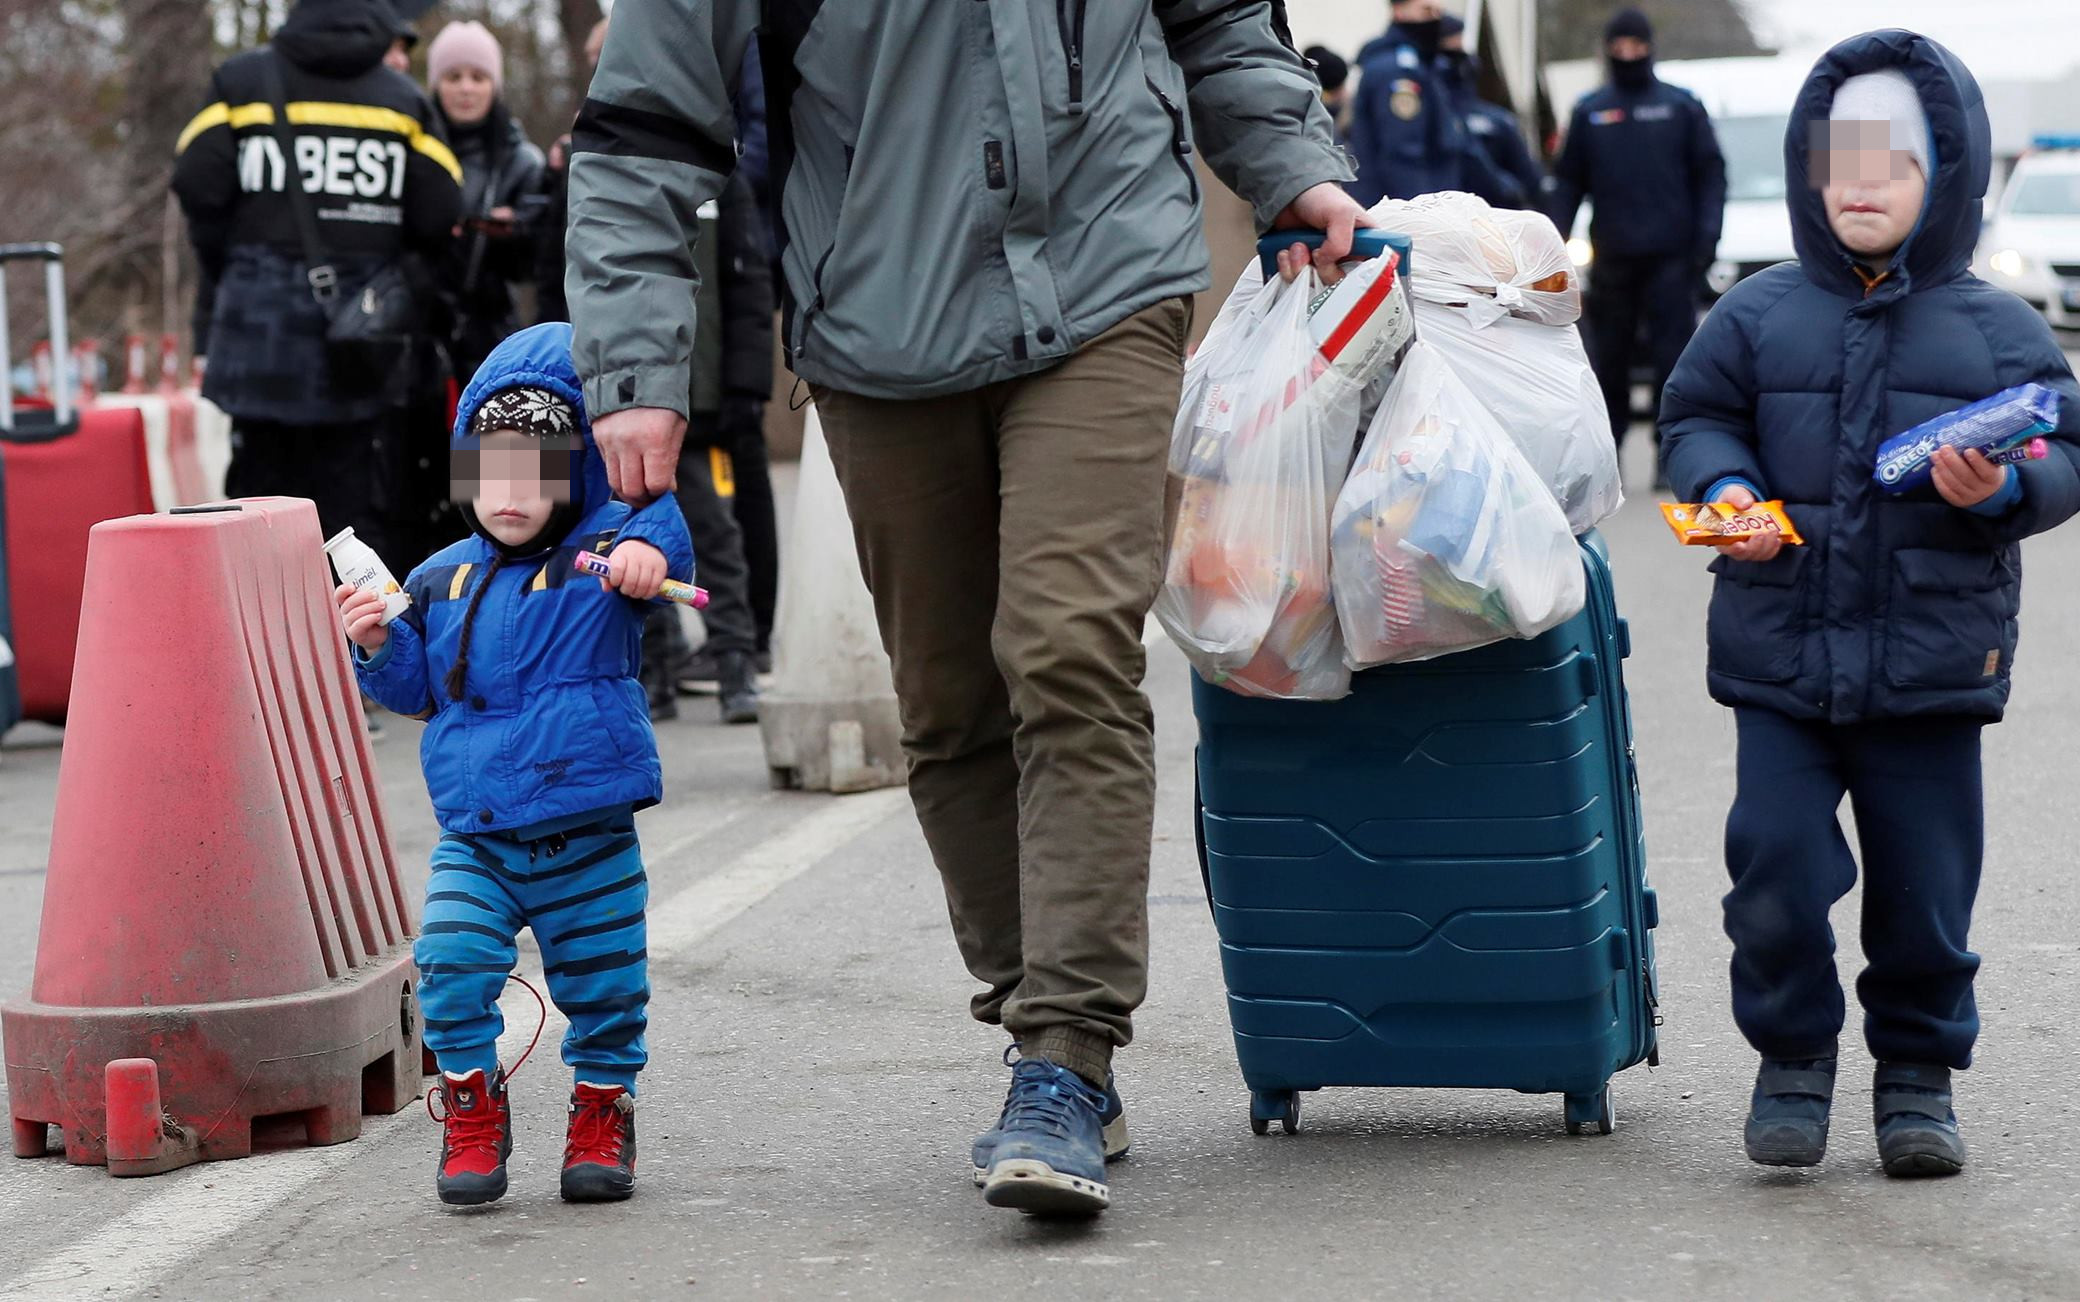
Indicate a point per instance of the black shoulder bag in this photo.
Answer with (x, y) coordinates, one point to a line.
(368, 335)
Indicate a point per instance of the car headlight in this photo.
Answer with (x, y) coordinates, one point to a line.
(1579, 252)
(1723, 275)
(2009, 263)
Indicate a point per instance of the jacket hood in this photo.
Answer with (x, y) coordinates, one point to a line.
(1940, 248)
(539, 357)
(337, 38)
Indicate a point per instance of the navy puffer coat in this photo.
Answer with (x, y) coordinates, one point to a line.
(1895, 607)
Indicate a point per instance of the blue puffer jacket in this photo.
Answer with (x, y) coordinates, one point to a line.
(1895, 607)
(552, 724)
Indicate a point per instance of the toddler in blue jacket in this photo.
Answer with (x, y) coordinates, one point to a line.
(537, 753)
(1866, 662)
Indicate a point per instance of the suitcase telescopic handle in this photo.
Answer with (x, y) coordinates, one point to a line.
(1368, 242)
(52, 257)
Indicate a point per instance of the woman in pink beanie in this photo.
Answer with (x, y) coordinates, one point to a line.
(501, 189)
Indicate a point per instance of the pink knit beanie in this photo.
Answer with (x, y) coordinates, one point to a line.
(466, 45)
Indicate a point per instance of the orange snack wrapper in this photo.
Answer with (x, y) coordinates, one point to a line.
(1716, 524)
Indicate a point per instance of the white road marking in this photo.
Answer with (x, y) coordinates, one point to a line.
(189, 1210)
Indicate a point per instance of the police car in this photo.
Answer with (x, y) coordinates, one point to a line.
(2031, 245)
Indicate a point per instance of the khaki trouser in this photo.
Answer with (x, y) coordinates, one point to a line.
(1013, 540)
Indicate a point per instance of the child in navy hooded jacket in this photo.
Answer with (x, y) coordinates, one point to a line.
(1867, 661)
(537, 752)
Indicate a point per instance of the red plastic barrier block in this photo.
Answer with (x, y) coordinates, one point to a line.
(221, 896)
(56, 492)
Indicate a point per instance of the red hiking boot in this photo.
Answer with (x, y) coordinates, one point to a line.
(599, 1150)
(476, 1138)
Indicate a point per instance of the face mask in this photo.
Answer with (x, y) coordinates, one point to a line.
(1461, 68)
(1424, 36)
(1632, 74)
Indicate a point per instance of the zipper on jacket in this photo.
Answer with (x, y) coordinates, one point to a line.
(1180, 139)
(801, 345)
(1068, 15)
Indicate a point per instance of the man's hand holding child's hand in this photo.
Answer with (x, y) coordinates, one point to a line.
(636, 569)
(362, 612)
(1966, 479)
(1763, 546)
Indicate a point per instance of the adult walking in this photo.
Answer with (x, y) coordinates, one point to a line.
(992, 229)
(501, 192)
(1644, 155)
(1408, 135)
(362, 146)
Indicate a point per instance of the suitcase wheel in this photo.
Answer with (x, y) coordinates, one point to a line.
(1586, 1110)
(1267, 1106)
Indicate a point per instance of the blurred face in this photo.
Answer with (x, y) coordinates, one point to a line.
(398, 58)
(1630, 49)
(1873, 191)
(1418, 11)
(596, 42)
(466, 95)
(513, 482)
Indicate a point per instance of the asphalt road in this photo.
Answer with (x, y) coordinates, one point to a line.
(805, 1121)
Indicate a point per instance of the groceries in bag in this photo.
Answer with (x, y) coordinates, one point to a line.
(1717, 524)
(1263, 436)
(1496, 293)
(2008, 421)
(1443, 539)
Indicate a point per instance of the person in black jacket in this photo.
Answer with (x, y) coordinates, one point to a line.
(501, 192)
(1643, 153)
(383, 185)
(1493, 128)
(732, 377)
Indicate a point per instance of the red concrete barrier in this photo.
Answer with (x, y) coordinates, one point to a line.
(221, 900)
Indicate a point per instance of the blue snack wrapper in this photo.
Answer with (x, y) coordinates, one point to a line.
(2007, 420)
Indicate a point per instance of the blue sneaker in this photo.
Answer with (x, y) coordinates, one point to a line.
(1049, 1157)
(1113, 1136)
(1787, 1120)
(1917, 1131)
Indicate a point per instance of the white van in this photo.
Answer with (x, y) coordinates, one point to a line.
(1750, 101)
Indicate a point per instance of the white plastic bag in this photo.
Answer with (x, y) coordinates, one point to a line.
(1496, 292)
(1263, 436)
(1536, 381)
(1499, 261)
(1444, 539)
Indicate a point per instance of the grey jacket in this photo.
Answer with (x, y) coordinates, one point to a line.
(968, 191)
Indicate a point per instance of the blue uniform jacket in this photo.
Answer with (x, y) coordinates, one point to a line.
(1406, 134)
(1895, 606)
(1650, 164)
(552, 724)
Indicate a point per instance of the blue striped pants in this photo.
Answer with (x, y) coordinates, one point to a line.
(583, 893)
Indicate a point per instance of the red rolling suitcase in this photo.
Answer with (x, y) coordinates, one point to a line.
(66, 471)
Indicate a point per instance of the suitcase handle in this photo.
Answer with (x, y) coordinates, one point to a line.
(63, 419)
(1367, 242)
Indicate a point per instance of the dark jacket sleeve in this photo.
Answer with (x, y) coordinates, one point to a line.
(754, 154)
(1571, 174)
(746, 276)
(1708, 408)
(1707, 181)
(512, 257)
(550, 233)
(1485, 177)
(2025, 352)
(205, 180)
(432, 188)
(1519, 161)
(1364, 138)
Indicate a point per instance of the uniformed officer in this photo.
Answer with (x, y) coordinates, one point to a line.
(1493, 128)
(1406, 134)
(1643, 153)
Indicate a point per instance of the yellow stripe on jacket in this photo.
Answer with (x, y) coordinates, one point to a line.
(325, 113)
